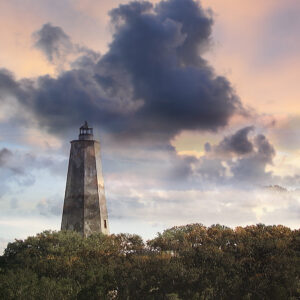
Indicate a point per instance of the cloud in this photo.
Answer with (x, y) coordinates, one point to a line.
(238, 160)
(50, 206)
(17, 170)
(252, 168)
(58, 48)
(12, 171)
(4, 155)
(237, 143)
(233, 207)
(210, 171)
(196, 25)
(151, 83)
(8, 84)
(10, 164)
(157, 51)
(53, 42)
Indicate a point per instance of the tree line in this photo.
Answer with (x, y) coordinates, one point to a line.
(186, 262)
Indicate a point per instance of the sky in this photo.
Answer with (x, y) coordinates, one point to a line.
(195, 105)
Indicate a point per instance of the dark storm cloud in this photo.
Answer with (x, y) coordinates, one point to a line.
(196, 25)
(265, 151)
(15, 94)
(157, 50)
(73, 97)
(252, 168)
(245, 166)
(237, 143)
(53, 42)
(152, 82)
(9, 85)
(59, 49)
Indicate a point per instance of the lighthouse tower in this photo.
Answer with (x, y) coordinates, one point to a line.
(85, 204)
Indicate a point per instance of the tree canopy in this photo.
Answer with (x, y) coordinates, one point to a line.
(186, 262)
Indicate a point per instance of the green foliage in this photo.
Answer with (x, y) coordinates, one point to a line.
(187, 262)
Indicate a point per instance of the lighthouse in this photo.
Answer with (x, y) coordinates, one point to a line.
(85, 203)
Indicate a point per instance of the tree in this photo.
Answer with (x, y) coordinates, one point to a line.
(186, 262)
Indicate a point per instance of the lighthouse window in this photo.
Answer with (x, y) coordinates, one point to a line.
(105, 225)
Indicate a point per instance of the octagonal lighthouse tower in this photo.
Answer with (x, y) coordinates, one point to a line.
(85, 204)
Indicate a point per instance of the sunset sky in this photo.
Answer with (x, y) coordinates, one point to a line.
(196, 105)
